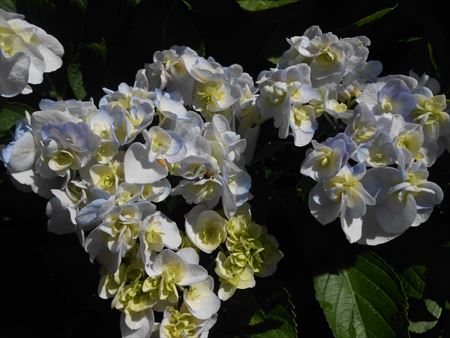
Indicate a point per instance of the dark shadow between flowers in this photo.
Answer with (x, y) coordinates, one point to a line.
(49, 285)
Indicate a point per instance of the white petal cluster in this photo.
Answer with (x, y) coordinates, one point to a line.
(184, 132)
(26, 53)
(181, 131)
(372, 174)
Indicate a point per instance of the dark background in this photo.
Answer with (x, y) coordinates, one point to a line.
(49, 287)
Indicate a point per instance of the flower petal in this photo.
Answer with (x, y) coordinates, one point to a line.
(322, 208)
(395, 215)
(138, 169)
(194, 274)
(14, 76)
(140, 327)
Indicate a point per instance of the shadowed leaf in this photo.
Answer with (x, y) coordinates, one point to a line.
(8, 5)
(375, 16)
(364, 300)
(76, 80)
(10, 113)
(260, 5)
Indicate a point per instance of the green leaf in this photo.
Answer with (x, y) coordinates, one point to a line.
(411, 39)
(134, 2)
(434, 308)
(201, 51)
(188, 5)
(81, 4)
(267, 172)
(257, 318)
(276, 324)
(8, 5)
(375, 16)
(275, 318)
(99, 48)
(432, 60)
(364, 300)
(274, 59)
(413, 280)
(423, 326)
(260, 5)
(10, 113)
(76, 80)
(263, 312)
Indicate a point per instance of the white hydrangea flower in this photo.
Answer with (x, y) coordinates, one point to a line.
(139, 169)
(205, 228)
(405, 198)
(279, 89)
(364, 125)
(20, 154)
(378, 152)
(117, 234)
(106, 177)
(207, 190)
(176, 269)
(303, 124)
(164, 145)
(132, 110)
(168, 71)
(26, 53)
(181, 323)
(79, 109)
(213, 90)
(219, 132)
(63, 209)
(63, 142)
(141, 325)
(61, 212)
(326, 159)
(158, 232)
(396, 97)
(342, 196)
(332, 106)
(431, 115)
(329, 57)
(170, 106)
(201, 300)
(410, 140)
(211, 167)
(68, 146)
(134, 295)
(426, 81)
(128, 193)
(235, 277)
(103, 124)
(157, 191)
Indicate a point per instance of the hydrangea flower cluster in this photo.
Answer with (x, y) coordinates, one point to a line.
(185, 130)
(175, 132)
(373, 173)
(26, 53)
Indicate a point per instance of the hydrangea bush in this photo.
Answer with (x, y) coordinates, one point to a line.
(155, 178)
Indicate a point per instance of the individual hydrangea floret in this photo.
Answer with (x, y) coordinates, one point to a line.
(26, 53)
